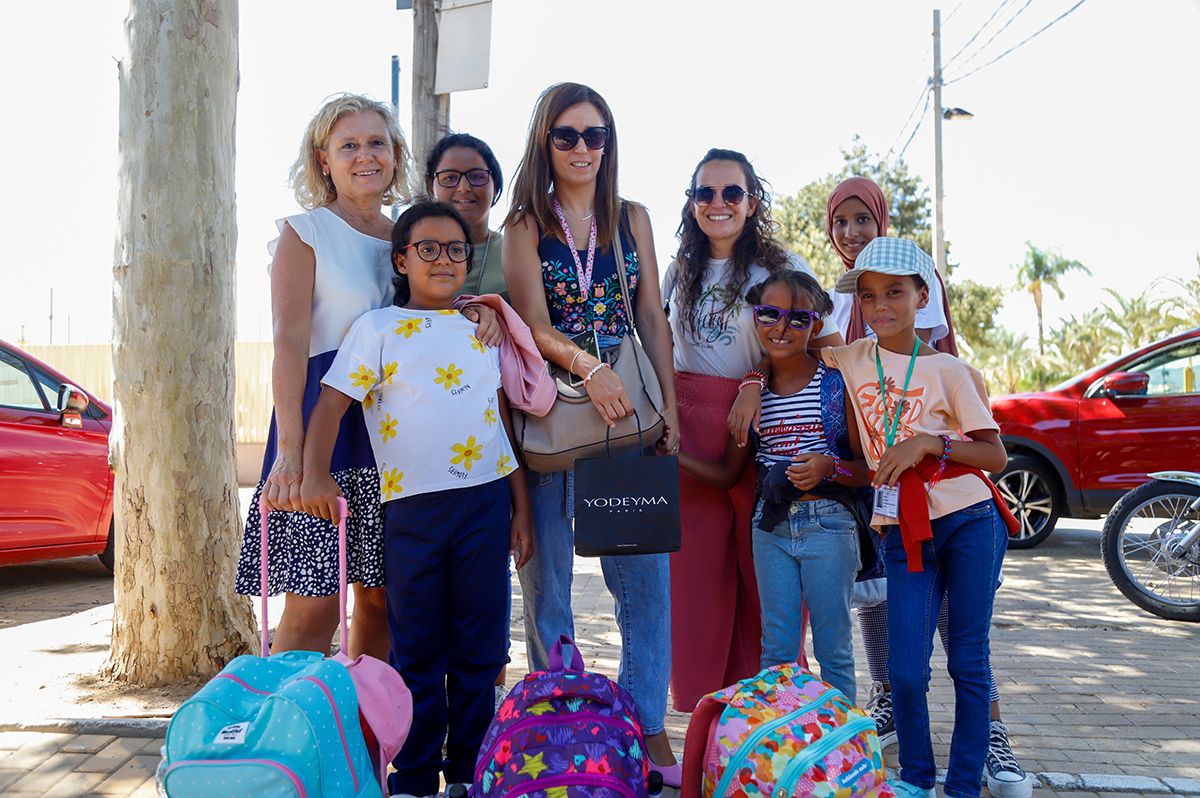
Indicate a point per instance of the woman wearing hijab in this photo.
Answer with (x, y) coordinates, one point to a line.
(856, 213)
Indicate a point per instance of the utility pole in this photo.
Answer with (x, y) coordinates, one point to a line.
(939, 233)
(431, 112)
(396, 113)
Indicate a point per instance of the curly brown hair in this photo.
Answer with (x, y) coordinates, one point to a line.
(756, 244)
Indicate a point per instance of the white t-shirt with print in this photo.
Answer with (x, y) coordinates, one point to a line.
(931, 317)
(724, 343)
(429, 394)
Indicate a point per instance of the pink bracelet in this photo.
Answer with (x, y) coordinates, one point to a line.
(752, 381)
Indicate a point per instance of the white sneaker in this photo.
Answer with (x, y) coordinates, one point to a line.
(1005, 776)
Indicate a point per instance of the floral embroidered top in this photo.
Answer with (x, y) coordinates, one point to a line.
(429, 392)
(603, 310)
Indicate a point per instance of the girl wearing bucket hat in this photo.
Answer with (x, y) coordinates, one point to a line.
(856, 214)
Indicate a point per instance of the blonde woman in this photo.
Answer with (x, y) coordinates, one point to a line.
(330, 265)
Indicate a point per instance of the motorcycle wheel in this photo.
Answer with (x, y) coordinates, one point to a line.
(1137, 548)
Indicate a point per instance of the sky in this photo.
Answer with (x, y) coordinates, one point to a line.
(1083, 141)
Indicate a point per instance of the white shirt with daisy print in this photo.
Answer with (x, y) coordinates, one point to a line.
(428, 389)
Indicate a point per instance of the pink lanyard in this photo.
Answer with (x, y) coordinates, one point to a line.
(583, 275)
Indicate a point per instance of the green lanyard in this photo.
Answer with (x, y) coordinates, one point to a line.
(890, 429)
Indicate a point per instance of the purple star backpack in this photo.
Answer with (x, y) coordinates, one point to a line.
(564, 733)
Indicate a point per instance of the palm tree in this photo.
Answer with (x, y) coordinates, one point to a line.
(1139, 319)
(1041, 270)
(1081, 343)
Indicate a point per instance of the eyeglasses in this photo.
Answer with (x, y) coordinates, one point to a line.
(704, 195)
(430, 251)
(769, 315)
(449, 178)
(565, 138)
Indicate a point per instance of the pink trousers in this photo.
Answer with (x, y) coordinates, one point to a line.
(715, 630)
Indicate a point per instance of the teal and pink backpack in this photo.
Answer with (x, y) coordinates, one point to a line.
(563, 733)
(291, 725)
(782, 733)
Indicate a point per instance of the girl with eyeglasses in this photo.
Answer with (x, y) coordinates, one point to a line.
(560, 267)
(462, 170)
(726, 246)
(454, 505)
(330, 265)
(807, 520)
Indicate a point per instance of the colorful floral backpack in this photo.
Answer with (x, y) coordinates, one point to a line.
(564, 733)
(782, 733)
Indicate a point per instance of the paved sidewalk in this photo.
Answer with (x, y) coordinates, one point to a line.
(1100, 698)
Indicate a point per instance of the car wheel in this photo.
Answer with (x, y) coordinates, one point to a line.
(1029, 489)
(107, 556)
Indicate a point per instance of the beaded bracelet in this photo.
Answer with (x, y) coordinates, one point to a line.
(592, 373)
(754, 375)
(752, 381)
(941, 461)
(838, 470)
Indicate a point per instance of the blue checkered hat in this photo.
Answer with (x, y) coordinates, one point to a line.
(888, 256)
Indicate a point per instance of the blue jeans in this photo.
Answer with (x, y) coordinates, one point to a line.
(811, 558)
(961, 563)
(639, 584)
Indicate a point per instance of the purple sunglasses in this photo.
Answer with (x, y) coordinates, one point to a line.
(797, 319)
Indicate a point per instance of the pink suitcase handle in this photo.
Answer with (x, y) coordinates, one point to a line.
(343, 643)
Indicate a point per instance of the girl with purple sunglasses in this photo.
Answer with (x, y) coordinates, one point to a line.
(807, 517)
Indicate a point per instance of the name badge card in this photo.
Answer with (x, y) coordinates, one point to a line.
(887, 501)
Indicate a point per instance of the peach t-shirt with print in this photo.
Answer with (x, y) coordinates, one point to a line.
(945, 397)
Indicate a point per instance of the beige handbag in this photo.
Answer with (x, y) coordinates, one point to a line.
(573, 429)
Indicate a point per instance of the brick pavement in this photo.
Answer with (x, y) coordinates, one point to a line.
(1100, 698)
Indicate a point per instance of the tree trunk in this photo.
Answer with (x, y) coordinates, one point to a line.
(1037, 301)
(176, 614)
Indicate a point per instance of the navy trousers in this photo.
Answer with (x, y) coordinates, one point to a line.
(444, 566)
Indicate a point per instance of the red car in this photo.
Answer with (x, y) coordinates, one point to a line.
(1075, 449)
(56, 488)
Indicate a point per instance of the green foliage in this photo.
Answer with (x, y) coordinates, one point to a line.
(801, 217)
(973, 308)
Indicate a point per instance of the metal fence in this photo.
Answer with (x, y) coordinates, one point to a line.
(90, 366)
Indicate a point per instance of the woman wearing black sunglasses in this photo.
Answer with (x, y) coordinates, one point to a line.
(726, 246)
(561, 271)
(463, 171)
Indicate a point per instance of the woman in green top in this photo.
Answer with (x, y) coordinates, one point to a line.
(463, 171)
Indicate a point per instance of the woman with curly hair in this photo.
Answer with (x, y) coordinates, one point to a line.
(726, 246)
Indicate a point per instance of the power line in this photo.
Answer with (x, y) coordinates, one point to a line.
(975, 35)
(1019, 44)
(913, 135)
(992, 38)
(924, 95)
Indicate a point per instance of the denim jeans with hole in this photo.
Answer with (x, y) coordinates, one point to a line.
(811, 558)
(639, 584)
(961, 563)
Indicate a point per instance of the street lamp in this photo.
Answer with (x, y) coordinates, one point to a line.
(957, 113)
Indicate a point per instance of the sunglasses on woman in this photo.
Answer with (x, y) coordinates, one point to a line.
(449, 178)
(704, 195)
(797, 319)
(565, 138)
(429, 250)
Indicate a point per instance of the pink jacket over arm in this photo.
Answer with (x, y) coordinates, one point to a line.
(523, 375)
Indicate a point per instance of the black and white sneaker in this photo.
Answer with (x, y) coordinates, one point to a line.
(1005, 776)
(880, 710)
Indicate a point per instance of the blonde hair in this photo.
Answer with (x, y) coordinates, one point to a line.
(534, 176)
(316, 190)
